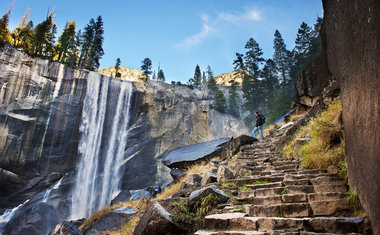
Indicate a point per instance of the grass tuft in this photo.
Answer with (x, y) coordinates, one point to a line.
(327, 145)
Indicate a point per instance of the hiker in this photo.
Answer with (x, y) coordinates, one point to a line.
(260, 120)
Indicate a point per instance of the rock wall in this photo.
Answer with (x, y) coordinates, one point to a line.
(40, 114)
(353, 55)
(349, 64)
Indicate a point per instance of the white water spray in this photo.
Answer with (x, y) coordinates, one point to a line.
(104, 128)
(48, 192)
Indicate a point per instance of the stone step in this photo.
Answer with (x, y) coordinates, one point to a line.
(269, 191)
(264, 185)
(296, 189)
(297, 182)
(296, 210)
(286, 167)
(252, 179)
(229, 232)
(305, 176)
(321, 188)
(329, 207)
(233, 221)
(339, 225)
(326, 196)
(284, 162)
(312, 172)
(328, 180)
(265, 201)
(293, 198)
(276, 223)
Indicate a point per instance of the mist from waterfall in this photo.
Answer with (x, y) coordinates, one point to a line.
(104, 129)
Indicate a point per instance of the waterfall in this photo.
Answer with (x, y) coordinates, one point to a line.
(48, 192)
(8, 214)
(104, 126)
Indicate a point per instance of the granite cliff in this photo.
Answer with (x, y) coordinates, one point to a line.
(349, 65)
(42, 127)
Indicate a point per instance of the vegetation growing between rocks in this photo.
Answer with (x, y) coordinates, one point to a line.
(327, 145)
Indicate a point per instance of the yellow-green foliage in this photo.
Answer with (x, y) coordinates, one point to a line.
(327, 145)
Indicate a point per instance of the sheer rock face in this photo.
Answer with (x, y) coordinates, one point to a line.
(349, 62)
(40, 115)
(353, 55)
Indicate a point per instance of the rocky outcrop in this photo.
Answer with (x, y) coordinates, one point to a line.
(353, 55)
(349, 63)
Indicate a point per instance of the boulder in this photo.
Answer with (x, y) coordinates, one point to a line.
(209, 177)
(188, 155)
(196, 196)
(157, 220)
(194, 179)
(123, 196)
(136, 195)
(224, 174)
(66, 228)
(177, 174)
(333, 169)
(112, 221)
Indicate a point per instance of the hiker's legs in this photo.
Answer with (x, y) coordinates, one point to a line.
(254, 132)
(261, 133)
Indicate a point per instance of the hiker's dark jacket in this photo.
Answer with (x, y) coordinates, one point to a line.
(259, 120)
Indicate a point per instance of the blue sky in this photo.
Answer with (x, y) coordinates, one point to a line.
(178, 34)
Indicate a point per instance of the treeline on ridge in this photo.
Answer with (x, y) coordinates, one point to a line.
(73, 47)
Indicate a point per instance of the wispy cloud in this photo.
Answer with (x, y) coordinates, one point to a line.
(197, 38)
(249, 15)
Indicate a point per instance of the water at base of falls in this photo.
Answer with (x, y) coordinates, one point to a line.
(104, 130)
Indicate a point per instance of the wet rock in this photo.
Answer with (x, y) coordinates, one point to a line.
(197, 195)
(123, 196)
(37, 220)
(136, 195)
(112, 221)
(209, 178)
(66, 228)
(177, 174)
(191, 154)
(224, 174)
(157, 220)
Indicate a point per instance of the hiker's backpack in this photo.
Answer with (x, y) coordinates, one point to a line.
(262, 118)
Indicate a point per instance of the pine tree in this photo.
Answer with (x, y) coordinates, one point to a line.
(281, 57)
(161, 76)
(239, 62)
(252, 86)
(86, 42)
(117, 68)
(43, 37)
(253, 57)
(154, 76)
(220, 101)
(4, 31)
(233, 95)
(17, 34)
(66, 42)
(146, 68)
(270, 83)
(303, 40)
(211, 83)
(197, 76)
(97, 51)
(73, 56)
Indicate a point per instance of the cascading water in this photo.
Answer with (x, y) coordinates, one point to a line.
(48, 192)
(104, 131)
(8, 214)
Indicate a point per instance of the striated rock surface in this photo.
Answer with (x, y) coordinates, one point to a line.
(353, 55)
(349, 64)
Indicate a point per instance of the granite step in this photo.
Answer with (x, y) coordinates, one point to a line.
(295, 210)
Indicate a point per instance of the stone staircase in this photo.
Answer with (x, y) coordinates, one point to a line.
(275, 195)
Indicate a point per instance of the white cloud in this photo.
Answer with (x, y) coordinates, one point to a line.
(197, 38)
(249, 15)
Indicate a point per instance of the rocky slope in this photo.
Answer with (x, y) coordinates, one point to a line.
(135, 75)
(257, 191)
(349, 63)
(41, 113)
(226, 78)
